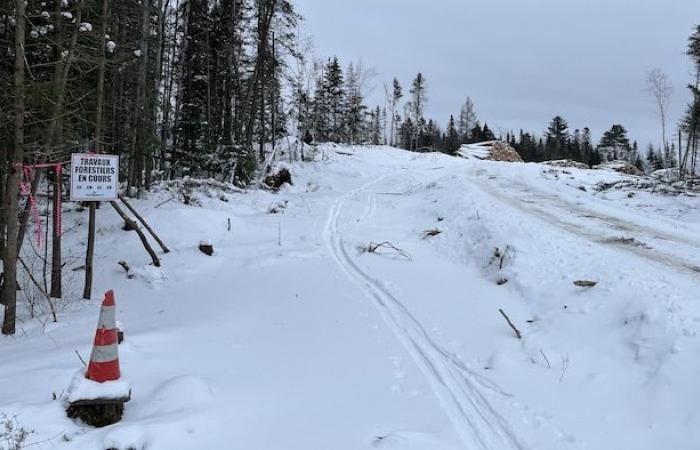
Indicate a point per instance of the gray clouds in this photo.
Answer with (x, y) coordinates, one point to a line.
(522, 61)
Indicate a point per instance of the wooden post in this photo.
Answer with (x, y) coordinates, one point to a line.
(56, 264)
(87, 290)
(145, 225)
(135, 226)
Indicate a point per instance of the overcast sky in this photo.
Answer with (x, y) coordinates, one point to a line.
(521, 61)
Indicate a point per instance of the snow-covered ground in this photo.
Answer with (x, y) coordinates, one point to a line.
(293, 336)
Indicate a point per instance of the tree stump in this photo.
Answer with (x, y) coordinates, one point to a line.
(99, 412)
(207, 249)
(277, 180)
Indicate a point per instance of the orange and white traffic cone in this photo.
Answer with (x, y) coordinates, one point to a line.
(104, 360)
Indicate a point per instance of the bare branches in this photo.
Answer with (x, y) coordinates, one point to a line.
(431, 233)
(564, 366)
(376, 249)
(659, 87)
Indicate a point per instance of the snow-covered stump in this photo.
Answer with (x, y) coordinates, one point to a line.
(96, 404)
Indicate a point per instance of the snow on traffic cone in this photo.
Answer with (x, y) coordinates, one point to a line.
(104, 360)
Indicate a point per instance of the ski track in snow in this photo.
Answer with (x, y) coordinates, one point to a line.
(459, 389)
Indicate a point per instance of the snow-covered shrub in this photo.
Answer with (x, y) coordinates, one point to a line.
(13, 436)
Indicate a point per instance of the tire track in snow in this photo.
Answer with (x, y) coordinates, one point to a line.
(571, 208)
(581, 230)
(459, 389)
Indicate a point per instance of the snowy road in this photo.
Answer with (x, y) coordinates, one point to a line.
(459, 389)
(654, 244)
(291, 338)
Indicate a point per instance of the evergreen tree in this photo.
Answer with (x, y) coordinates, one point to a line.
(376, 126)
(487, 134)
(334, 91)
(587, 148)
(574, 150)
(192, 132)
(557, 138)
(477, 134)
(355, 108)
(690, 124)
(452, 137)
(417, 106)
(321, 108)
(406, 133)
(615, 144)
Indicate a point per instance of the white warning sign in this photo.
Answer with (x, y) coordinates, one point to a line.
(94, 177)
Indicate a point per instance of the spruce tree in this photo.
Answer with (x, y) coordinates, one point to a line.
(355, 109)
(557, 138)
(417, 106)
(334, 88)
(487, 134)
(452, 137)
(615, 144)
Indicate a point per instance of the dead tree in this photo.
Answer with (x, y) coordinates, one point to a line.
(660, 89)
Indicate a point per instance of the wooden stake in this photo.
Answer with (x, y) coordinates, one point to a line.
(145, 225)
(87, 291)
(135, 227)
(56, 261)
(517, 332)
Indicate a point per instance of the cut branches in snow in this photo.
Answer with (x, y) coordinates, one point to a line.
(513, 327)
(124, 265)
(549, 366)
(564, 366)
(500, 257)
(431, 233)
(386, 245)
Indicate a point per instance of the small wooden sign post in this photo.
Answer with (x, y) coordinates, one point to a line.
(94, 178)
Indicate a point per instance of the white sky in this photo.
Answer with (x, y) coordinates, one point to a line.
(521, 61)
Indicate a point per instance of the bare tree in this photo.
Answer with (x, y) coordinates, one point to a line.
(659, 87)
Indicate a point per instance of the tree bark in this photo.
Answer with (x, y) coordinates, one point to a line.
(10, 261)
(87, 290)
(56, 260)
